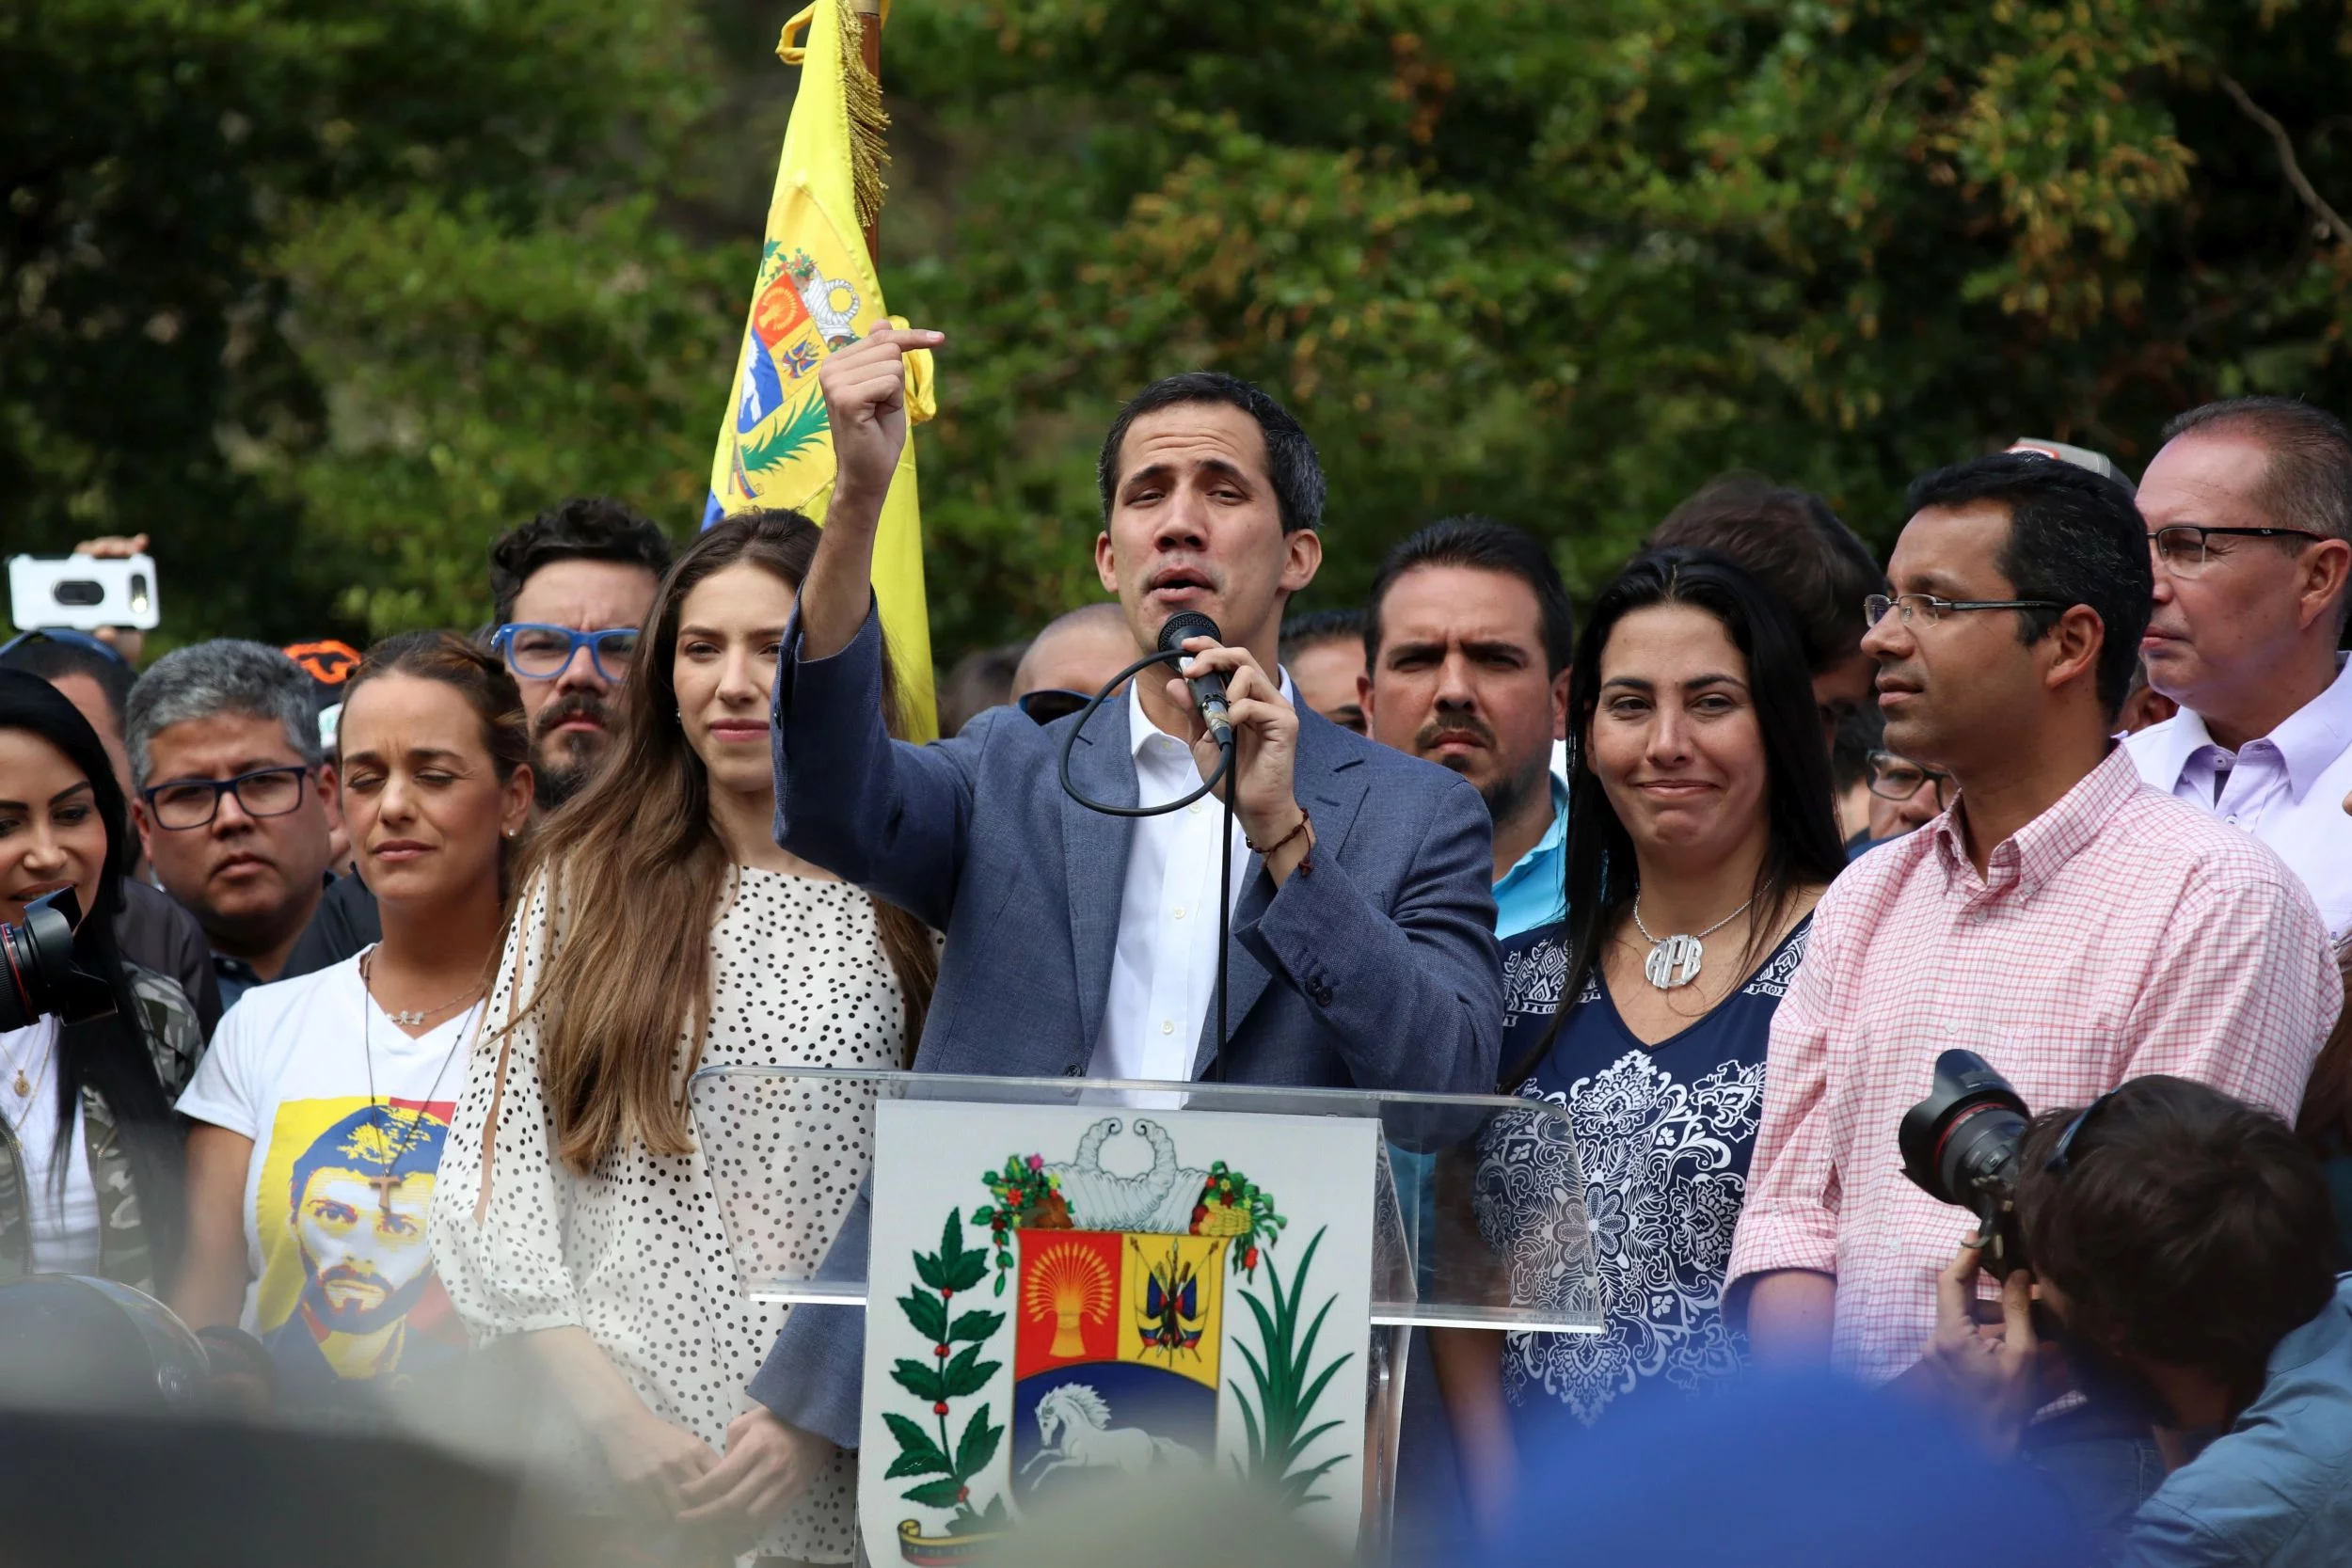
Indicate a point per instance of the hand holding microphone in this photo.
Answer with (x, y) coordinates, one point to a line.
(1208, 690)
(1238, 700)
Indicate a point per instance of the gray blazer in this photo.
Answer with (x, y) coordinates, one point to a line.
(1375, 969)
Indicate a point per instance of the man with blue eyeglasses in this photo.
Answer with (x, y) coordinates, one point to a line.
(572, 586)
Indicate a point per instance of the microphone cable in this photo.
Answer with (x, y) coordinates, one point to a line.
(1173, 656)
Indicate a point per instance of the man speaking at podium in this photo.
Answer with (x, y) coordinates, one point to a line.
(1082, 944)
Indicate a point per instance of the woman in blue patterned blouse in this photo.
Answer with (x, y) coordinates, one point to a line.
(1700, 836)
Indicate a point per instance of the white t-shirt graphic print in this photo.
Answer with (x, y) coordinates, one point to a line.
(341, 1182)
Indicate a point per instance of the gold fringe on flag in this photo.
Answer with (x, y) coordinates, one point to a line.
(869, 121)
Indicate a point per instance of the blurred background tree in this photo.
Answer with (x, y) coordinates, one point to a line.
(326, 295)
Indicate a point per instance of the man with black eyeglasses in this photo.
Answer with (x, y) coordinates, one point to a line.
(1904, 795)
(2063, 920)
(2248, 509)
(234, 800)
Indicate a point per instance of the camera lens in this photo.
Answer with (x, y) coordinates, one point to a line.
(1979, 1149)
(37, 960)
(1960, 1146)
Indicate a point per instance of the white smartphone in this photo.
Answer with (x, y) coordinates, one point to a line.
(81, 592)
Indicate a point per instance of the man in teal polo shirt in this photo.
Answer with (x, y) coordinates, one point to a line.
(1466, 642)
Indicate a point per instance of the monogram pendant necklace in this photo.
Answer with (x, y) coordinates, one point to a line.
(1673, 960)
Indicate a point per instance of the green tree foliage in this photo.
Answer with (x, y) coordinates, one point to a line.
(267, 271)
(324, 296)
(1560, 262)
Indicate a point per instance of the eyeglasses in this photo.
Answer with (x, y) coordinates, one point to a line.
(2182, 545)
(1050, 703)
(185, 804)
(541, 652)
(1929, 609)
(1894, 778)
(66, 639)
(2062, 1152)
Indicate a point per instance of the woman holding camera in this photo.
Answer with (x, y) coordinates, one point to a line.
(662, 930)
(323, 1105)
(91, 1156)
(1700, 836)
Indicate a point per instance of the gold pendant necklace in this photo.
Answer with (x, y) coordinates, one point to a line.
(25, 1088)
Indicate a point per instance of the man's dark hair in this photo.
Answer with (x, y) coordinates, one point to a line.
(1859, 734)
(2188, 1228)
(1301, 632)
(52, 657)
(1292, 466)
(2075, 538)
(980, 680)
(2309, 481)
(1791, 541)
(1487, 545)
(585, 528)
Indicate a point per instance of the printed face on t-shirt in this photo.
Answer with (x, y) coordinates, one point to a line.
(363, 1245)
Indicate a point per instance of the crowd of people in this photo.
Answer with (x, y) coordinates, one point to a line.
(411, 965)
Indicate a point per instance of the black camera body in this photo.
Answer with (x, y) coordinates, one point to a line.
(37, 975)
(1961, 1146)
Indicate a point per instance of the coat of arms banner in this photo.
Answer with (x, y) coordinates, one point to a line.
(1058, 1294)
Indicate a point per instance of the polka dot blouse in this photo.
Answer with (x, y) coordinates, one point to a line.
(636, 1253)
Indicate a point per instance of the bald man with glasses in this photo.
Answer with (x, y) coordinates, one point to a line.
(2248, 508)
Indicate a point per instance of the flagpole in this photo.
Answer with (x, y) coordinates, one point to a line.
(869, 31)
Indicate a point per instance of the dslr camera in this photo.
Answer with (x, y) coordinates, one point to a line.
(37, 976)
(1960, 1146)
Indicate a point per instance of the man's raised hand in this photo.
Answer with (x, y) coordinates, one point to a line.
(866, 401)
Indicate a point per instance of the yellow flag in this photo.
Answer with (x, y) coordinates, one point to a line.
(816, 292)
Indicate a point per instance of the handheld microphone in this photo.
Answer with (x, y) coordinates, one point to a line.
(1208, 691)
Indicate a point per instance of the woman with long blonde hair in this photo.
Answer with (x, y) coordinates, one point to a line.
(661, 930)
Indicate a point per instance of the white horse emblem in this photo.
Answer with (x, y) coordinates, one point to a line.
(1074, 1424)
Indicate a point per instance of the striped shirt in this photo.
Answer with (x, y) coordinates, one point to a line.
(2120, 933)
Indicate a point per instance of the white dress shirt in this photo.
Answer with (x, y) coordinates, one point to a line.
(1164, 969)
(2286, 788)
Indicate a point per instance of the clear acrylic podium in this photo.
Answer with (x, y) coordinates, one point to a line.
(1479, 1217)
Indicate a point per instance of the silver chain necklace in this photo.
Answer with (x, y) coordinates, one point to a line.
(1674, 961)
(367, 1049)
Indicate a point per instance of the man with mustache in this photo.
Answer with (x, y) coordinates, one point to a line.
(1467, 644)
(2062, 920)
(572, 586)
(1362, 950)
(2248, 509)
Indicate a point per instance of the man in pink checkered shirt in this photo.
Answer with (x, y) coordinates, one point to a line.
(2067, 923)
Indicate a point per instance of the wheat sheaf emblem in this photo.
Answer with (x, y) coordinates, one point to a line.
(1070, 1286)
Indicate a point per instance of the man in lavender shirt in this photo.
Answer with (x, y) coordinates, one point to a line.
(2248, 509)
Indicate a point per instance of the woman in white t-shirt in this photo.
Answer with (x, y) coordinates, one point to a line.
(666, 932)
(90, 1158)
(323, 1107)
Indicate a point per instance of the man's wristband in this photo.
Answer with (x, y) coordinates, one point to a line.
(1269, 850)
